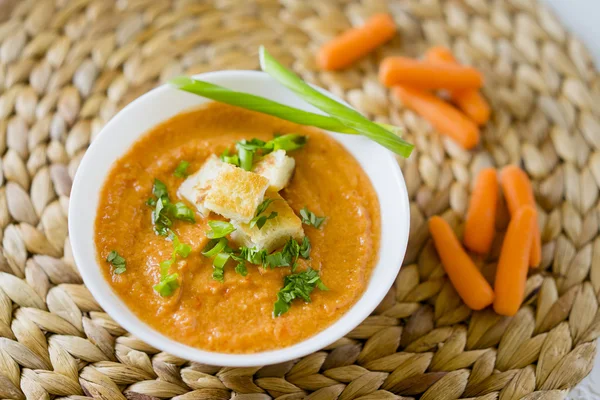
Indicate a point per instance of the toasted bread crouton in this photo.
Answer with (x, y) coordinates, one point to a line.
(275, 232)
(195, 188)
(236, 193)
(277, 168)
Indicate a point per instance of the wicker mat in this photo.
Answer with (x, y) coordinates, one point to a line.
(66, 67)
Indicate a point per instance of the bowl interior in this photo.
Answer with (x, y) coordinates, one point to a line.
(164, 102)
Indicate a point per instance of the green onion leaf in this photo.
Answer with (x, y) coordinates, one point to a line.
(167, 286)
(257, 103)
(288, 142)
(295, 286)
(309, 218)
(169, 283)
(347, 116)
(181, 170)
(231, 159)
(214, 247)
(118, 262)
(219, 229)
(219, 266)
(246, 156)
(181, 249)
(181, 211)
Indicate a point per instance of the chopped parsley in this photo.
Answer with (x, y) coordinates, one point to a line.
(260, 220)
(219, 229)
(181, 170)
(305, 248)
(164, 211)
(241, 269)
(252, 255)
(250, 150)
(118, 262)
(170, 282)
(296, 286)
(309, 218)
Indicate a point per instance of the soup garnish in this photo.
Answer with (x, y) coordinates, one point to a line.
(237, 259)
(341, 119)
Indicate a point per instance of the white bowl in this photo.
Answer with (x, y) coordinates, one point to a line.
(163, 103)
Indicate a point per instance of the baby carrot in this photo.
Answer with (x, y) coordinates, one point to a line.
(446, 119)
(428, 75)
(481, 216)
(511, 272)
(469, 283)
(470, 101)
(356, 43)
(517, 193)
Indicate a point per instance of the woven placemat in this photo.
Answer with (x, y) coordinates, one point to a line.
(66, 67)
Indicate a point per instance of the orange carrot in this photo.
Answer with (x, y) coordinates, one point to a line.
(446, 119)
(470, 101)
(356, 43)
(481, 216)
(511, 272)
(428, 75)
(469, 283)
(518, 193)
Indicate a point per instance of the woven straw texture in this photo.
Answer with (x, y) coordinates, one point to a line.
(66, 67)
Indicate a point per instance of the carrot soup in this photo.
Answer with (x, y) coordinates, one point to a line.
(290, 249)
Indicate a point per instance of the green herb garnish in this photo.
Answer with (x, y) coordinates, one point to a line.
(164, 211)
(252, 255)
(260, 220)
(181, 170)
(118, 262)
(305, 248)
(170, 282)
(219, 229)
(241, 269)
(287, 256)
(231, 159)
(340, 118)
(347, 116)
(309, 218)
(214, 247)
(219, 266)
(296, 286)
(287, 142)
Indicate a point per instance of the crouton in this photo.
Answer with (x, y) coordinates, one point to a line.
(275, 232)
(236, 193)
(277, 168)
(195, 188)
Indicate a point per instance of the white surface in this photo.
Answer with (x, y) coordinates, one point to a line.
(164, 102)
(581, 18)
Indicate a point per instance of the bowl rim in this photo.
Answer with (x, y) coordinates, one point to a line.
(116, 308)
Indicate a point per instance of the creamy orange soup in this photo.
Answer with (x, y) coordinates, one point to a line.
(236, 316)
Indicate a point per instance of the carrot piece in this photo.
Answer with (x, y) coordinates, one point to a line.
(356, 43)
(428, 75)
(468, 281)
(446, 119)
(511, 272)
(481, 216)
(518, 192)
(470, 101)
